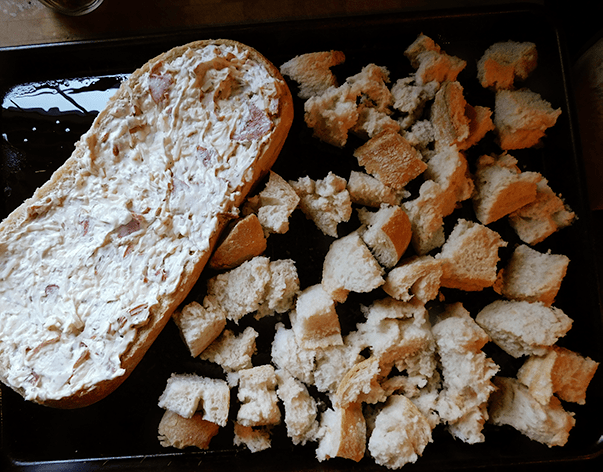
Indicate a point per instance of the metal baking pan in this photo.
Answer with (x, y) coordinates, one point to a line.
(51, 93)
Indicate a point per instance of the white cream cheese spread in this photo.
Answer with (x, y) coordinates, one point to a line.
(95, 257)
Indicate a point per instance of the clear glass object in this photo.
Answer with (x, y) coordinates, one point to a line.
(72, 7)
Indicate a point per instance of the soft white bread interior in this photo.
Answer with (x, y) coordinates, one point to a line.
(95, 262)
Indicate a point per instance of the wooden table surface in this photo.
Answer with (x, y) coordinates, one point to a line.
(25, 22)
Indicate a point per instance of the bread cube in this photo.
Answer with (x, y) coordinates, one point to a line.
(501, 188)
(187, 394)
(366, 190)
(312, 71)
(560, 371)
(282, 289)
(466, 373)
(288, 355)
(391, 159)
(400, 433)
(361, 384)
(241, 290)
(480, 123)
(545, 215)
(416, 277)
(257, 395)
(324, 201)
(244, 241)
(332, 114)
(200, 325)
(431, 63)
(342, 434)
(315, 321)
(386, 232)
(511, 404)
(448, 117)
(348, 267)
(470, 256)
(300, 408)
(532, 276)
(254, 438)
(176, 431)
(521, 118)
(505, 62)
(523, 328)
(232, 351)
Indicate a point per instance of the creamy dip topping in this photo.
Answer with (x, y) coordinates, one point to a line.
(97, 254)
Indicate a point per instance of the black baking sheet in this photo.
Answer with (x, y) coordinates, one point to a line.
(50, 94)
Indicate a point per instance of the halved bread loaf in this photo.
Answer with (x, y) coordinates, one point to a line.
(95, 262)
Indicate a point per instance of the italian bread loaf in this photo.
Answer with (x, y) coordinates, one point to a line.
(95, 262)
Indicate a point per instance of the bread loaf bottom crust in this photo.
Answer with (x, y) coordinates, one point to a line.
(114, 241)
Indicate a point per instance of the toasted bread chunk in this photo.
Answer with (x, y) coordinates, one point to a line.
(470, 256)
(176, 431)
(281, 290)
(426, 213)
(332, 114)
(342, 434)
(448, 115)
(324, 201)
(505, 62)
(545, 215)
(480, 123)
(370, 84)
(241, 290)
(361, 384)
(366, 190)
(521, 118)
(431, 62)
(301, 410)
(314, 320)
(523, 328)
(274, 204)
(288, 355)
(417, 277)
(243, 242)
(532, 276)
(257, 394)
(511, 404)
(200, 325)
(254, 438)
(390, 158)
(560, 371)
(348, 267)
(387, 234)
(466, 372)
(312, 71)
(400, 433)
(501, 188)
(232, 351)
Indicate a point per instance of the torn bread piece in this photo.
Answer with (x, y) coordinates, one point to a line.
(466, 374)
(522, 328)
(244, 241)
(387, 232)
(324, 201)
(274, 204)
(400, 433)
(349, 266)
(342, 434)
(501, 187)
(470, 256)
(200, 325)
(521, 118)
(281, 290)
(176, 431)
(367, 190)
(506, 62)
(511, 404)
(561, 372)
(416, 277)
(532, 276)
(545, 215)
(391, 159)
(257, 395)
(431, 62)
(254, 438)
(312, 71)
(314, 319)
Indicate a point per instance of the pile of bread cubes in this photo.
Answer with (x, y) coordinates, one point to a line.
(405, 369)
